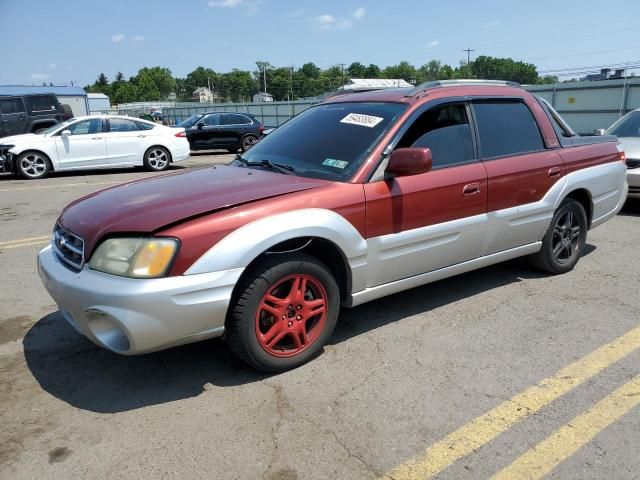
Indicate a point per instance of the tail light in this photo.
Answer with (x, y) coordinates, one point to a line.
(181, 134)
(621, 155)
(261, 128)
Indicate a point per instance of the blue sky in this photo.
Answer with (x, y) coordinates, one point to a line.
(61, 41)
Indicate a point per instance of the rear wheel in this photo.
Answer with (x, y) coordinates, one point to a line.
(565, 239)
(285, 311)
(33, 165)
(156, 159)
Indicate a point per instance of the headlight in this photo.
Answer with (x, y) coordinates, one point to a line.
(134, 257)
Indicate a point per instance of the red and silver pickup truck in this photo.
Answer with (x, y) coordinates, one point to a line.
(359, 197)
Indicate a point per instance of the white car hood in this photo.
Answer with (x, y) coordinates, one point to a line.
(20, 139)
(631, 147)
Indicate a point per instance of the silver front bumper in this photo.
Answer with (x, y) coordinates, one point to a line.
(633, 178)
(131, 316)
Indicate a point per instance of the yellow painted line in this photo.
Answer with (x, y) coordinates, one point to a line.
(564, 442)
(26, 244)
(488, 426)
(60, 185)
(25, 240)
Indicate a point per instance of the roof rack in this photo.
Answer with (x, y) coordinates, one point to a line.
(458, 83)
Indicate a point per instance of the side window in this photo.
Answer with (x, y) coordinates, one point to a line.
(144, 126)
(86, 127)
(211, 120)
(506, 128)
(234, 119)
(446, 131)
(123, 125)
(12, 105)
(41, 103)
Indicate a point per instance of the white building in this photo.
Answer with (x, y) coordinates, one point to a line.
(98, 103)
(263, 97)
(374, 83)
(204, 95)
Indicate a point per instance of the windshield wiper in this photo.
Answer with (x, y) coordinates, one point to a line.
(268, 165)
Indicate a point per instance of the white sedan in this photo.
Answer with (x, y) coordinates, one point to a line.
(94, 141)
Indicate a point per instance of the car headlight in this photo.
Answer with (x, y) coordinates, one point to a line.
(134, 257)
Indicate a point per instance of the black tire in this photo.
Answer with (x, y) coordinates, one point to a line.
(156, 159)
(32, 165)
(242, 321)
(564, 241)
(248, 141)
(232, 150)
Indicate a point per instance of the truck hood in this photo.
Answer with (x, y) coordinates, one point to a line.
(631, 147)
(148, 205)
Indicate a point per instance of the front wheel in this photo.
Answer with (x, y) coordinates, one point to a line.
(33, 165)
(565, 239)
(248, 141)
(156, 159)
(284, 312)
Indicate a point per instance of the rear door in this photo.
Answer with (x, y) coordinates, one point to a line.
(420, 223)
(520, 170)
(126, 141)
(85, 147)
(233, 127)
(13, 116)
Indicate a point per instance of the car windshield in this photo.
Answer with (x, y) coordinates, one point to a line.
(55, 127)
(328, 141)
(189, 122)
(628, 126)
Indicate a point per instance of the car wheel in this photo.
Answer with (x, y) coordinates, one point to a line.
(232, 150)
(156, 159)
(284, 312)
(248, 141)
(564, 241)
(33, 165)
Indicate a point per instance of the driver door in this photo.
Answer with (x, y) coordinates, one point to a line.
(421, 223)
(207, 132)
(84, 147)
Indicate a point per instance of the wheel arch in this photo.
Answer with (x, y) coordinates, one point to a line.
(158, 145)
(583, 196)
(47, 157)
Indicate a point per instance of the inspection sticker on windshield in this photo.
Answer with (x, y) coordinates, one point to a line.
(361, 119)
(332, 162)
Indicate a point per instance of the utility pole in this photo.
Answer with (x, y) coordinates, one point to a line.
(265, 82)
(342, 72)
(468, 50)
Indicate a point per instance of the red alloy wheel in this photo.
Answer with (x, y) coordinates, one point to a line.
(291, 315)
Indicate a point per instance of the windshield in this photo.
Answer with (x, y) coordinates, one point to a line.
(328, 141)
(55, 127)
(189, 122)
(628, 126)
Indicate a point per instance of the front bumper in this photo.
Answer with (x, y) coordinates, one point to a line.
(633, 179)
(132, 316)
(6, 159)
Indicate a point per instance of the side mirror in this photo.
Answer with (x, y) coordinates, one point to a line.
(200, 125)
(65, 133)
(409, 161)
(599, 131)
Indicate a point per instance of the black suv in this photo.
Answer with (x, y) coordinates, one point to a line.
(231, 131)
(29, 113)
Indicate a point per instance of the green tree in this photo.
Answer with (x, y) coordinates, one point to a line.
(155, 83)
(124, 92)
(372, 71)
(404, 70)
(504, 69)
(357, 70)
(200, 77)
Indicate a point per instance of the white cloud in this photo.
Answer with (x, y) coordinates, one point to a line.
(359, 13)
(118, 38)
(251, 6)
(432, 44)
(329, 22)
(138, 38)
(40, 76)
(52, 66)
(493, 23)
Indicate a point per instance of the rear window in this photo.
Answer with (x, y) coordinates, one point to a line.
(11, 105)
(328, 141)
(123, 125)
(506, 128)
(628, 126)
(42, 103)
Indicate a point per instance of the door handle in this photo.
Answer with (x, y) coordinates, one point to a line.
(554, 171)
(471, 189)
(142, 136)
(96, 138)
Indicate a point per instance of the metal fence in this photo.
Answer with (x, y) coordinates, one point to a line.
(271, 114)
(584, 105)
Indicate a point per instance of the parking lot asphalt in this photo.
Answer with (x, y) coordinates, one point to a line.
(502, 371)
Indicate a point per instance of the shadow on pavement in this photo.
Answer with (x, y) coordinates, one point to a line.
(631, 208)
(73, 369)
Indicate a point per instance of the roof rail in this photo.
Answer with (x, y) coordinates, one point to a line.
(347, 91)
(457, 83)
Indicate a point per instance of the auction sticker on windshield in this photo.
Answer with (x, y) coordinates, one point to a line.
(361, 119)
(332, 162)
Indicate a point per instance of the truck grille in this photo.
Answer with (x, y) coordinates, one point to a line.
(69, 247)
(632, 163)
